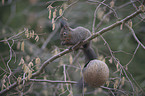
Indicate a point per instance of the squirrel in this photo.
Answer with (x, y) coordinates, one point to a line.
(69, 36)
(95, 72)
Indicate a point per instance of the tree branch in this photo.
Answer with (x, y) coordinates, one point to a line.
(135, 37)
(15, 84)
(51, 81)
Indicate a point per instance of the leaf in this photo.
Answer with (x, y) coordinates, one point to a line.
(37, 38)
(112, 3)
(32, 34)
(19, 80)
(55, 51)
(130, 23)
(49, 13)
(60, 12)
(30, 64)
(49, 8)
(70, 59)
(121, 26)
(117, 66)
(116, 84)
(101, 57)
(3, 81)
(29, 74)
(65, 6)
(27, 33)
(26, 68)
(142, 7)
(3, 86)
(107, 83)
(7, 86)
(100, 13)
(21, 61)
(110, 60)
(126, 67)
(18, 45)
(22, 46)
(37, 60)
(53, 26)
(27, 58)
(54, 13)
(122, 81)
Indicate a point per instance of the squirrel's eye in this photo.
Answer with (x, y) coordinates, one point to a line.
(64, 33)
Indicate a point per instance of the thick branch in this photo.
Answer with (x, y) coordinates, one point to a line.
(15, 84)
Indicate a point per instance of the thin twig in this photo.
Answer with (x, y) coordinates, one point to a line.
(107, 14)
(113, 89)
(65, 10)
(95, 13)
(51, 81)
(64, 72)
(111, 52)
(10, 46)
(135, 37)
(106, 6)
(133, 55)
(12, 37)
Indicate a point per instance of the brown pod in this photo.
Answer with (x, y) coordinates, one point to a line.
(96, 73)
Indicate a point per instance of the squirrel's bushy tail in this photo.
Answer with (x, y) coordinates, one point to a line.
(89, 53)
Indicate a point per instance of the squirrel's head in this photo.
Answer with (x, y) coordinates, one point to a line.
(65, 33)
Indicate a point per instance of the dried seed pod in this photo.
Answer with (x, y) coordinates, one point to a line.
(96, 73)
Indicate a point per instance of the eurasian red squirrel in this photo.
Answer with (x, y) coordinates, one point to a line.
(69, 36)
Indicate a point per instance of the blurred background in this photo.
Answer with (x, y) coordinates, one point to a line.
(28, 38)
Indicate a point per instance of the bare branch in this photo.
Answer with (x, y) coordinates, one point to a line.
(107, 14)
(65, 10)
(111, 52)
(135, 37)
(106, 6)
(133, 55)
(95, 13)
(114, 89)
(51, 81)
(13, 37)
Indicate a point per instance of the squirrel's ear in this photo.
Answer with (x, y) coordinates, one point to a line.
(63, 23)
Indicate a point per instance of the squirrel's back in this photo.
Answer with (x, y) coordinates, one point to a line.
(80, 34)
